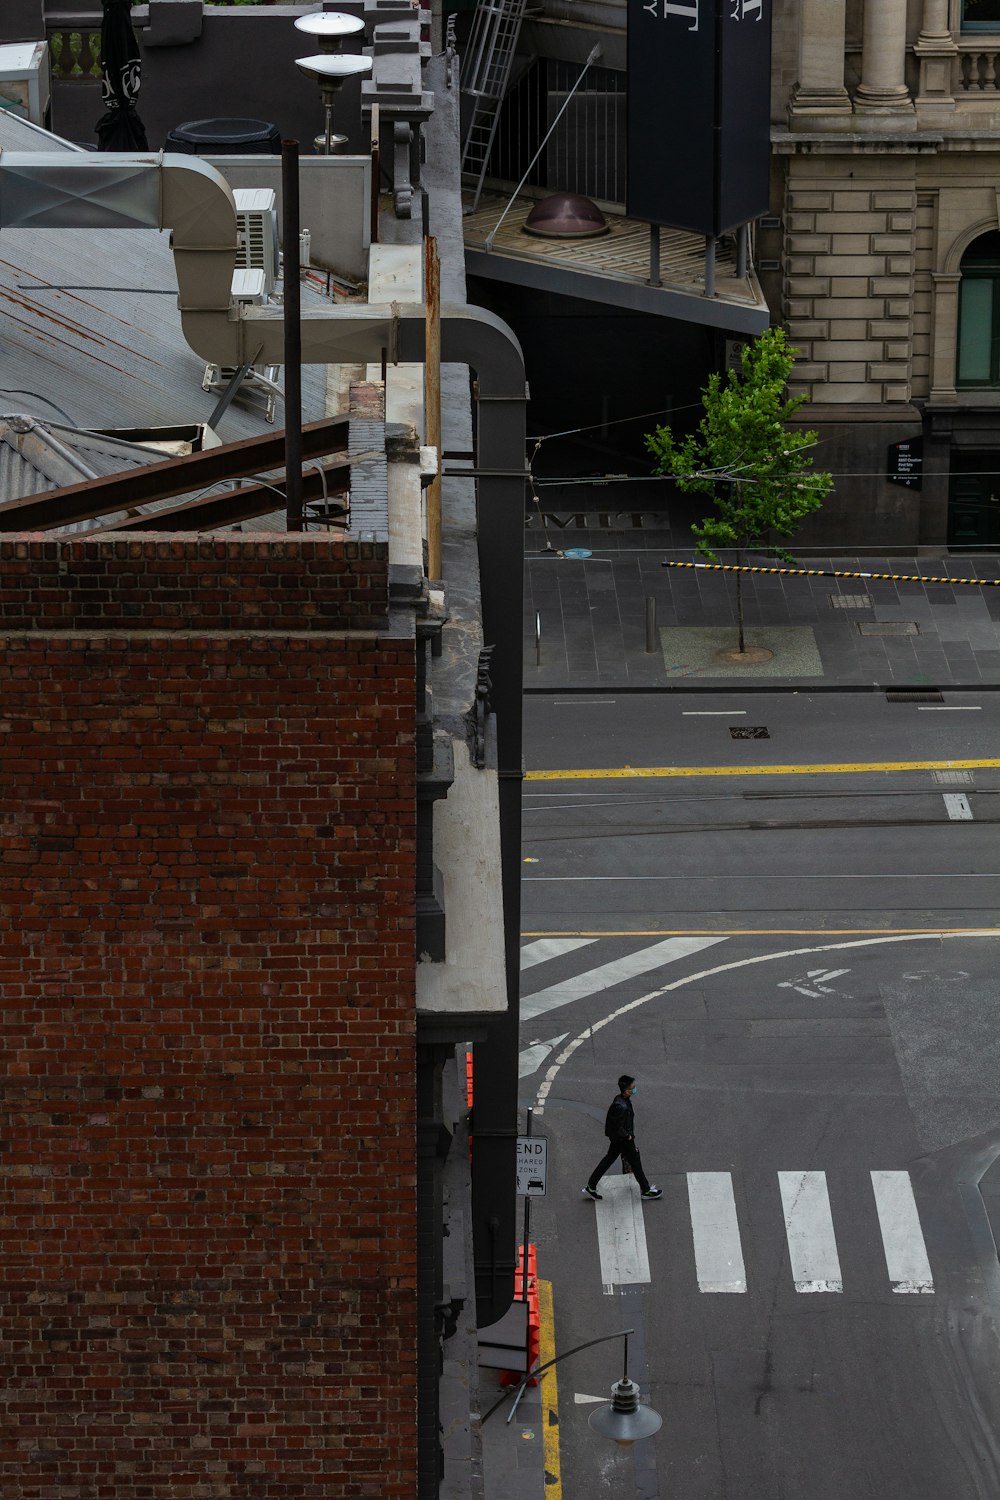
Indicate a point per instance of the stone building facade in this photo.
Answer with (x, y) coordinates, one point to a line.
(882, 254)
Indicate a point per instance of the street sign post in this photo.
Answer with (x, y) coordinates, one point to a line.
(532, 1152)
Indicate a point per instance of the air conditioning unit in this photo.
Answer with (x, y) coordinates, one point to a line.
(248, 286)
(257, 227)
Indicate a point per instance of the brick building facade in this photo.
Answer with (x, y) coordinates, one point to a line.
(207, 876)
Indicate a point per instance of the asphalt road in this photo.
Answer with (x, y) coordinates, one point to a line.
(798, 967)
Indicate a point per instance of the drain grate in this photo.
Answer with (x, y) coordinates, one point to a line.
(889, 627)
(915, 695)
(952, 778)
(850, 601)
(748, 732)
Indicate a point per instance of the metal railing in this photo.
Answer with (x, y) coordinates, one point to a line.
(586, 152)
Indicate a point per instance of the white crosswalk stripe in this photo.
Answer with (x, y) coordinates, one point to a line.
(592, 981)
(621, 1234)
(546, 948)
(902, 1238)
(718, 1251)
(812, 1243)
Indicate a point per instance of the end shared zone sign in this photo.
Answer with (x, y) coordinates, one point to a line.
(532, 1151)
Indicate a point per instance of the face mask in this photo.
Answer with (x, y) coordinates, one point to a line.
(635, 1089)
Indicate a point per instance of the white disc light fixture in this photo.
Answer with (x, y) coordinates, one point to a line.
(331, 70)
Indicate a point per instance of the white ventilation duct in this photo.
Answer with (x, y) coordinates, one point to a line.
(109, 190)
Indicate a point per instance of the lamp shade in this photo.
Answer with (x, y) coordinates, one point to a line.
(625, 1421)
(565, 216)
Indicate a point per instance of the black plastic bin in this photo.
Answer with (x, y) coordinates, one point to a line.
(225, 138)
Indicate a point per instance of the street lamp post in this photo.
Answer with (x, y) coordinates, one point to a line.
(622, 1419)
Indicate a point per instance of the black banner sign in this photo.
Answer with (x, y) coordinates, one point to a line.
(906, 463)
(698, 112)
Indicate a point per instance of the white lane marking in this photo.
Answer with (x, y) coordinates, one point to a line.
(546, 948)
(602, 978)
(530, 1060)
(902, 1238)
(589, 1032)
(812, 1244)
(958, 807)
(582, 1400)
(949, 708)
(712, 713)
(718, 1251)
(579, 702)
(819, 978)
(621, 1234)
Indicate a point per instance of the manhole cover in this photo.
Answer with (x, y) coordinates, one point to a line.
(850, 601)
(889, 627)
(952, 778)
(748, 732)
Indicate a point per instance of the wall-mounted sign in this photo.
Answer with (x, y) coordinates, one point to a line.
(906, 463)
(699, 89)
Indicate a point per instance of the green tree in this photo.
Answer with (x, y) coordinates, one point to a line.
(744, 454)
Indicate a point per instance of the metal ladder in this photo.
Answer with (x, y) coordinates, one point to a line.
(492, 43)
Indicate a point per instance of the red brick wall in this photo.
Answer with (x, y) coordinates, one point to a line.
(163, 582)
(207, 1152)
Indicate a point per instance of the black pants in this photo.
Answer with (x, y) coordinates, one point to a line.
(628, 1151)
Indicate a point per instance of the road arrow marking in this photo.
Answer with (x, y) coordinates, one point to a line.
(818, 978)
(531, 1059)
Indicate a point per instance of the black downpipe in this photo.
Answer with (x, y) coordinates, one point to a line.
(293, 334)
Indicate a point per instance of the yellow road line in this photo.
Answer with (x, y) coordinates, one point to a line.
(549, 1393)
(837, 768)
(821, 932)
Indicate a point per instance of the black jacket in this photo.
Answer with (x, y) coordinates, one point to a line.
(620, 1123)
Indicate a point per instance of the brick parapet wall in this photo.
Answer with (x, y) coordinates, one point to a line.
(207, 1199)
(164, 582)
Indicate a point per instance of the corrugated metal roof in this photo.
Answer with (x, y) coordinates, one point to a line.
(89, 329)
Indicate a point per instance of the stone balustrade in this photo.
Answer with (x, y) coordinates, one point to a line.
(75, 54)
(976, 67)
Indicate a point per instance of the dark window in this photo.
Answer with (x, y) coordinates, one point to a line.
(981, 15)
(979, 313)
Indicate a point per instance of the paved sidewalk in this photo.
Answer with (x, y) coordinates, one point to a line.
(821, 632)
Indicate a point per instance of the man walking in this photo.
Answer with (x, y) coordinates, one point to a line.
(619, 1127)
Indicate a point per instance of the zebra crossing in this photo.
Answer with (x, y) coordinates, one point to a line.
(717, 1239)
(717, 1236)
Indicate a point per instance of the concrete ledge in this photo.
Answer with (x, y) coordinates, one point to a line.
(472, 977)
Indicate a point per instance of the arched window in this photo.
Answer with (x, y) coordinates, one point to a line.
(981, 15)
(979, 313)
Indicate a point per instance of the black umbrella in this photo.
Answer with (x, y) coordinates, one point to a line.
(120, 129)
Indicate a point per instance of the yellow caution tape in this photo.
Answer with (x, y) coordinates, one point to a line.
(831, 573)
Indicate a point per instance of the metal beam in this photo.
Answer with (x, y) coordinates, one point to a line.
(589, 286)
(177, 476)
(214, 511)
